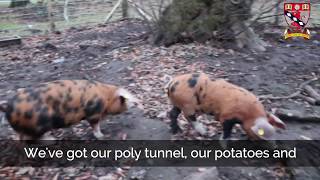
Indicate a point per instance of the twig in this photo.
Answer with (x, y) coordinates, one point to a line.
(295, 94)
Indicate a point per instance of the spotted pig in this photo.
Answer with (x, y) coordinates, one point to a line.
(36, 110)
(195, 94)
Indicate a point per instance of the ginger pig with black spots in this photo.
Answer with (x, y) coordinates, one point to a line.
(230, 104)
(36, 110)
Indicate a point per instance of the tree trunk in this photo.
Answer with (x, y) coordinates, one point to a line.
(203, 20)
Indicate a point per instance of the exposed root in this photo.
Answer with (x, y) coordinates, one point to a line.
(314, 99)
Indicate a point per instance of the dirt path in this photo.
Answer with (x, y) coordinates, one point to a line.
(118, 54)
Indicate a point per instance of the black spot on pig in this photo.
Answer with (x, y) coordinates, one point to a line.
(67, 108)
(193, 80)
(93, 107)
(18, 112)
(28, 114)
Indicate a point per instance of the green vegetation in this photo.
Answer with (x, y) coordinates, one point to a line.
(18, 28)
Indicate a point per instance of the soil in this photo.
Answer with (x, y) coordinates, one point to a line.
(119, 53)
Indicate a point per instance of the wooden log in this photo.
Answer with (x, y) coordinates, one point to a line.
(297, 116)
(8, 41)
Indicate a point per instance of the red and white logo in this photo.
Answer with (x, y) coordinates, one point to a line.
(297, 15)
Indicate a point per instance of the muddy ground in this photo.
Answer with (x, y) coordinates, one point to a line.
(119, 53)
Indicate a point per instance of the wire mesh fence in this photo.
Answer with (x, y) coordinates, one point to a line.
(34, 18)
(37, 16)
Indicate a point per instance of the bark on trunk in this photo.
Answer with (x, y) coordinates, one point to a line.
(202, 20)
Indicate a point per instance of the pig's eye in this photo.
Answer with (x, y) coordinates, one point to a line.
(261, 132)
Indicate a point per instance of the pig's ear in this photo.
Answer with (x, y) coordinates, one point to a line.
(126, 96)
(122, 99)
(275, 121)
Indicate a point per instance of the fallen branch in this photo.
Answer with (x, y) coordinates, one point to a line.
(293, 115)
(313, 93)
(295, 94)
(308, 99)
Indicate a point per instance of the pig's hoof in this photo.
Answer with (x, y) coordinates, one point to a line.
(200, 128)
(98, 135)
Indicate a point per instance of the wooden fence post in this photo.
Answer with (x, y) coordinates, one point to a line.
(124, 9)
(52, 26)
(65, 11)
(113, 11)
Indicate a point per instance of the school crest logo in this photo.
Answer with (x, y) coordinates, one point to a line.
(297, 15)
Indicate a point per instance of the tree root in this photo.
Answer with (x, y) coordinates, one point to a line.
(314, 99)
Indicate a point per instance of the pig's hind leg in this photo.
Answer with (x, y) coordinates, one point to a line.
(173, 116)
(227, 126)
(95, 124)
